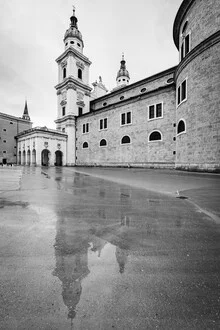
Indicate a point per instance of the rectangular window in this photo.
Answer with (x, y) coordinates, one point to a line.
(182, 92)
(187, 44)
(182, 52)
(63, 111)
(126, 118)
(80, 111)
(159, 110)
(155, 111)
(103, 124)
(123, 119)
(151, 111)
(86, 128)
(178, 98)
(185, 47)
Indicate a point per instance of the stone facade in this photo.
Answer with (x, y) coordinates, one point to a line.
(198, 147)
(10, 126)
(140, 151)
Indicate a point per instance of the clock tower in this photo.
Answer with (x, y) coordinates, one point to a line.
(73, 90)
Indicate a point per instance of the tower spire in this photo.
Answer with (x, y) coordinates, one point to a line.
(25, 113)
(123, 74)
(73, 19)
(73, 37)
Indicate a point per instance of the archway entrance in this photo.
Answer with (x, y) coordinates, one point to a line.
(19, 158)
(34, 157)
(59, 158)
(45, 157)
(24, 158)
(28, 157)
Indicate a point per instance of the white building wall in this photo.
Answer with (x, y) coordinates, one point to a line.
(40, 141)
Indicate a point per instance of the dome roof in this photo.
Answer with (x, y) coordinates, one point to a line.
(73, 32)
(73, 29)
(123, 72)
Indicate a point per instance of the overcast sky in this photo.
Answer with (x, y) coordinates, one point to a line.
(31, 37)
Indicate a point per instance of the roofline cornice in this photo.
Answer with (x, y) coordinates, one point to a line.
(184, 7)
(136, 84)
(37, 130)
(131, 99)
(73, 51)
(205, 44)
(15, 118)
(65, 118)
(71, 82)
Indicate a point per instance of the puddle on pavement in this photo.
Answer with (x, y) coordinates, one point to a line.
(104, 235)
(83, 264)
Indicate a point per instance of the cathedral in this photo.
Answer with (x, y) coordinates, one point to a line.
(168, 120)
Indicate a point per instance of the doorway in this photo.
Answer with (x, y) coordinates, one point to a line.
(59, 158)
(45, 157)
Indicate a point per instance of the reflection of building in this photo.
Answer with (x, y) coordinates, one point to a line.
(121, 257)
(97, 245)
(71, 252)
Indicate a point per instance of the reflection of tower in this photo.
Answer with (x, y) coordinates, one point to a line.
(71, 263)
(97, 245)
(122, 258)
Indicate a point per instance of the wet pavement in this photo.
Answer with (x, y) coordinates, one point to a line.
(109, 249)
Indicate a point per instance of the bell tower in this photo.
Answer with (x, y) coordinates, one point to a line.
(73, 90)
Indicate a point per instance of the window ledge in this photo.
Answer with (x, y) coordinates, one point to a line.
(150, 119)
(181, 103)
(125, 125)
(184, 132)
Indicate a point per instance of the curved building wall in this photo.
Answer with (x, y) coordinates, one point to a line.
(198, 147)
(203, 20)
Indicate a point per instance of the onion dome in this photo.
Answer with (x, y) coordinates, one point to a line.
(73, 31)
(123, 72)
(123, 76)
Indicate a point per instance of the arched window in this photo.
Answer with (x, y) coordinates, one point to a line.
(85, 145)
(79, 73)
(181, 127)
(72, 42)
(155, 136)
(103, 143)
(125, 139)
(64, 73)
